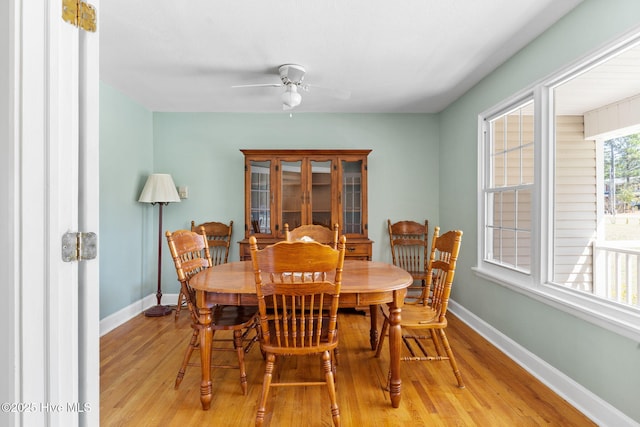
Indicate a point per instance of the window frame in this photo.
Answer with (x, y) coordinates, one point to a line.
(486, 186)
(538, 283)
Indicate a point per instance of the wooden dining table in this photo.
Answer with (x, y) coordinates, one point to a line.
(364, 283)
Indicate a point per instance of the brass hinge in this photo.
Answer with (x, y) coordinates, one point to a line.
(79, 246)
(79, 14)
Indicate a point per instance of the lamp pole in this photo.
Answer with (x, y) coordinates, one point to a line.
(159, 310)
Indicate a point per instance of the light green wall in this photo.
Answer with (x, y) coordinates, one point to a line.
(604, 362)
(202, 151)
(126, 238)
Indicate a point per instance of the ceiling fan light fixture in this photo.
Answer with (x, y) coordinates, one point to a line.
(291, 98)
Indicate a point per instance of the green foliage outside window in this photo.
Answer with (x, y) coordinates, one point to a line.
(622, 170)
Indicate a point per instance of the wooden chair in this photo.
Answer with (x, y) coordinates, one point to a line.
(409, 251)
(219, 240)
(298, 289)
(317, 233)
(190, 253)
(431, 314)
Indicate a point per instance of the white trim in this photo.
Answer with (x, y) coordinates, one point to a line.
(62, 142)
(88, 221)
(508, 106)
(10, 199)
(598, 410)
(31, 131)
(122, 316)
(541, 214)
(43, 102)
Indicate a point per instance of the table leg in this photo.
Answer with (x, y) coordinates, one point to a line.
(373, 332)
(206, 336)
(395, 347)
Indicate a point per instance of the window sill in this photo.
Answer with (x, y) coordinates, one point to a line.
(614, 317)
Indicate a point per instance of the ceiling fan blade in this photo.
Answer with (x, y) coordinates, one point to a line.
(260, 85)
(337, 93)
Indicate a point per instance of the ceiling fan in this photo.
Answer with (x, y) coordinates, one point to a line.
(291, 78)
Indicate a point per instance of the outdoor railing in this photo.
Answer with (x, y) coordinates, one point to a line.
(617, 271)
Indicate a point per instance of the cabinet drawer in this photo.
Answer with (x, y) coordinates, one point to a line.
(358, 250)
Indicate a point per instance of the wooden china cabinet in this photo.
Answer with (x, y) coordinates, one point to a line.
(302, 187)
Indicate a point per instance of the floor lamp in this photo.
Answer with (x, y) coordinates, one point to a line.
(159, 189)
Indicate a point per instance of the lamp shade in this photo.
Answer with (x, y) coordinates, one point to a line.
(159, 188)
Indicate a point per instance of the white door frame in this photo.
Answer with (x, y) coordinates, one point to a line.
(88, 213)
(52, 166)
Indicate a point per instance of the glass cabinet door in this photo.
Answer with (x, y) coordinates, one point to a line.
(352, 197)
(320, 201)
(292, 194)
(260, 208)
(302, 187)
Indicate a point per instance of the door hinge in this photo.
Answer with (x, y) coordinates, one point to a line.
(79, 246)
(79, 14)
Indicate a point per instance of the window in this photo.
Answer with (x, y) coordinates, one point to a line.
(508, 187)
(546, 189)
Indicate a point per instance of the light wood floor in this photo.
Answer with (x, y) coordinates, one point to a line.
(140, 359)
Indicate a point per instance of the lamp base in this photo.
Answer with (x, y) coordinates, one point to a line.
(158, 311)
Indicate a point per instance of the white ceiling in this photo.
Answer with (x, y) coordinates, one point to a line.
(393, 56)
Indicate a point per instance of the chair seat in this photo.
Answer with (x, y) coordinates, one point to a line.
(233, 317)
(417, 316)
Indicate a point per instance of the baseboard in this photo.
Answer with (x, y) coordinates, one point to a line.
(598, 410)
(116, 319)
